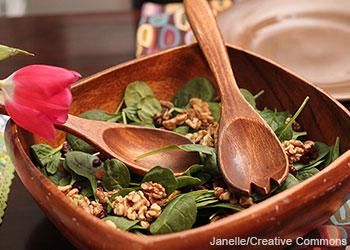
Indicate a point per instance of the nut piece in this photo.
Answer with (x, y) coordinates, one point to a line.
(246, 201)
(175, 121)
(135, 205)
(222, 194)
(153, 191)
(296, 149)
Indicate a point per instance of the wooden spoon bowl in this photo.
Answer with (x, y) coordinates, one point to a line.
(289, 214)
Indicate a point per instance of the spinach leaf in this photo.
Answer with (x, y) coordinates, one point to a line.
(81, 164)
(182, 129)
(185, 181)
(289, 182)
(227, 205)
(274, 119)
(100, 115)
(248, 97)
(121, 222)
(208, 158)
(47, 157)
(125, 191)
(334, 152)
(215, 109)
(148, 107)
(306, 173)
(116, 175)
(286, 133)
(198, 87)
(322, 150)
(180, 214)
(135, 92)
(163, 176)
(192, 170)
(60, 178)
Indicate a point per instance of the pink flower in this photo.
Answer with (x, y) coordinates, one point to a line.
(38, 96)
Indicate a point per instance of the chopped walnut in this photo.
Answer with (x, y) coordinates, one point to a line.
(169, 198)
(222, 194)
(194, 123)
(135, 206)
(246, 201)
(203, 109)
(197, 136)
(103, 196)
(295, 149)
(153, 191)
(175, 121)
(166, 104)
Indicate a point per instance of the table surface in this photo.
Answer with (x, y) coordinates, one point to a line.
(85, 43)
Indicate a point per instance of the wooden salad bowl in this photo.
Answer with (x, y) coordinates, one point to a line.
(289, 214)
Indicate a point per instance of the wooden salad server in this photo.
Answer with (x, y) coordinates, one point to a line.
(249, 152)
(126, 142)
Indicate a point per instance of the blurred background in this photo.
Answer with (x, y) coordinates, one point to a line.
(40, 7)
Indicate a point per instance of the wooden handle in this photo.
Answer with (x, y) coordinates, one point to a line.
(204, 26)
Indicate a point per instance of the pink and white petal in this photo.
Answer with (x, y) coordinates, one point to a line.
(31, 120)
(44, 80)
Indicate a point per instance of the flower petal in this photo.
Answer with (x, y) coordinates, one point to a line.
(31, 120)
(43, 80)
(55, 108)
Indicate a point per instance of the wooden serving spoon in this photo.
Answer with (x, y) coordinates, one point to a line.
(249, 152)
(126, 142)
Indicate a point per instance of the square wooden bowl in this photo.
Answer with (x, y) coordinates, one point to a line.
(289, 214)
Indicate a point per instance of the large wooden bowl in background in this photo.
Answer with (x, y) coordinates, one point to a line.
(289, 214)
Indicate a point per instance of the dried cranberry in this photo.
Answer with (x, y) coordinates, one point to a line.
(292, 170)
(96, 163)
(77, 186)
(101, 214)
(65, 148)
(310, 155)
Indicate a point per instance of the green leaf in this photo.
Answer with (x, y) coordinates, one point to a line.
(47, 157)
(215, 109)
(187, 147)
(81, 164)
(148, 107)
(274, 119)
(306, 173)
(334, 152)
(289, 182)
(60, 178)
(116, 176)
(322, 150)
(197, 87)
(248, 97)
(135, 92)
(192, 170)
(208, 160)
(287, 133)
(125, 191)
(227, 205)
(121, 222)
(182, 130)
(180, 214)
(163, 176)
(185, 181)
(6, 52)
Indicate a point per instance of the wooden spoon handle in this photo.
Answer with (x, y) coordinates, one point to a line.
(204, 26)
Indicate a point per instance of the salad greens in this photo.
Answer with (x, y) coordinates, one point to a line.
(160, 202)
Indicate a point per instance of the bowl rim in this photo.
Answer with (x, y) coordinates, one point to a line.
(344, 159)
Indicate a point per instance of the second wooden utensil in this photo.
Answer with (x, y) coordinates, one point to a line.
(249, 153)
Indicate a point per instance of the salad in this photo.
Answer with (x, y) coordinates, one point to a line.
(160, 202)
